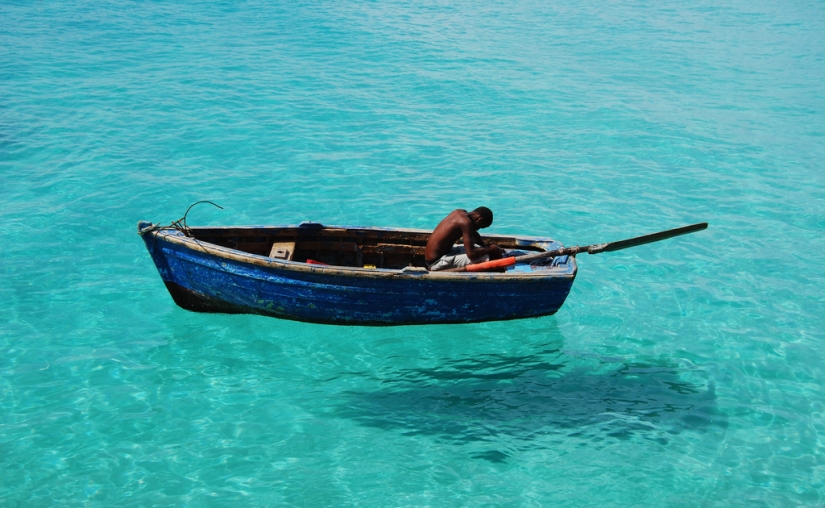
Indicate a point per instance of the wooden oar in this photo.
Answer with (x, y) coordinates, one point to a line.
(590, 249)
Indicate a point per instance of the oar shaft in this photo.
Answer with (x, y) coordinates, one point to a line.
(567, 251)
(614, 246)
(511, 260)
(486, 265)
(641, 240)
(590, 249)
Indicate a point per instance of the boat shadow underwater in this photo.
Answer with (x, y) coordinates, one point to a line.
(503, 405)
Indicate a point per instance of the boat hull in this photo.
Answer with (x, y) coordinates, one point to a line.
(202, 277)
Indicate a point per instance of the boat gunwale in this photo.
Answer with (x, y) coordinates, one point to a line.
(173, 236)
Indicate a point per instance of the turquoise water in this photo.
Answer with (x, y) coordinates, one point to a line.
(684, 373)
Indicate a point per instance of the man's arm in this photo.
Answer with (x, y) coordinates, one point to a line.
(477, 238)
(472, 237)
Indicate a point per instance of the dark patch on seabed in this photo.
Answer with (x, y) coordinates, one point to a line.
(505, 404)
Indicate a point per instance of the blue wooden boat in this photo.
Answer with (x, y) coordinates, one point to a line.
(348, 275)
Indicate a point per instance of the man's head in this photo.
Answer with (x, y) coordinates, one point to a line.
(482, 217)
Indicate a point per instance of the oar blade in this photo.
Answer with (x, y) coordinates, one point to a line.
(641, 240)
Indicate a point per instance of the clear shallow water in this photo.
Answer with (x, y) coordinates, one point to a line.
(685, 373)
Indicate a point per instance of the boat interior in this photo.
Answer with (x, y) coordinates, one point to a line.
(315, 244)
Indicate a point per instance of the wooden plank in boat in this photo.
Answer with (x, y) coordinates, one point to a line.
(282, 250)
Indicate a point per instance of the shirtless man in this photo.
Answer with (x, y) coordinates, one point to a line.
(441, 253)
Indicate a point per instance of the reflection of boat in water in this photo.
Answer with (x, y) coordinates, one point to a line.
(348, 275)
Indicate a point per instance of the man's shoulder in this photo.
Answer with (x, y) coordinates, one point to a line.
(459, 214)
(457, 220)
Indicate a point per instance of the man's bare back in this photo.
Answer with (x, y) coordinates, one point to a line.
(461, 224)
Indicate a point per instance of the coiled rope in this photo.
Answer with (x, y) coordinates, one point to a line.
(180, 224)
